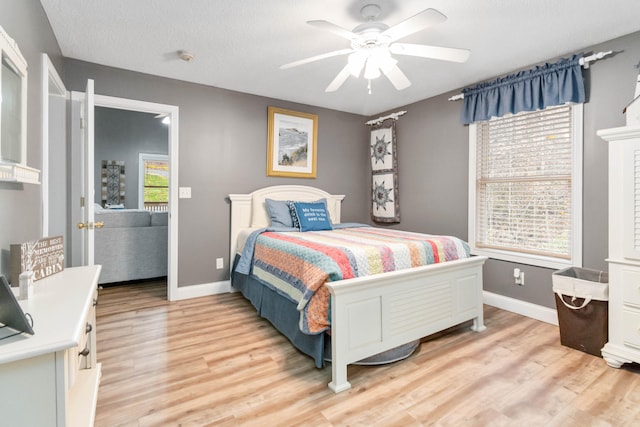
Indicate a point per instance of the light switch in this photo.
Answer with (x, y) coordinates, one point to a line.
(184, 192)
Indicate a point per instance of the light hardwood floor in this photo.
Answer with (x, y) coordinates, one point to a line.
(213, 361)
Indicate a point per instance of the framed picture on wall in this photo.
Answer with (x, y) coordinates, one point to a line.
(292, 143)
(113, 184)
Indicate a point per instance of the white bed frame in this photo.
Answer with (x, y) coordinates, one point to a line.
(373, 314)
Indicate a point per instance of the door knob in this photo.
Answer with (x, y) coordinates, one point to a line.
(90, 225)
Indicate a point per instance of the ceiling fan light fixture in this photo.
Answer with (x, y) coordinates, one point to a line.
(379, 59)
(355, 63)
(371, 69)
(373, 43)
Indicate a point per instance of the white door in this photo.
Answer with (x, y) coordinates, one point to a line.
(86, 225)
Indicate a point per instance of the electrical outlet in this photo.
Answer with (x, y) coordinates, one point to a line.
(518, 276)
(219, 263)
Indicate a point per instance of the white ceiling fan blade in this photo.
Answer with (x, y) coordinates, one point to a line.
(342, 77)
(333, 28)
(315, 58)
(420, 21)
(434, 52)
(397, 78)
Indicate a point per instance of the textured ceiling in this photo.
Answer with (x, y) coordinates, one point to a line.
(240, 45)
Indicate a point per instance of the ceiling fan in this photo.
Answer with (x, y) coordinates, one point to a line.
(372, 44)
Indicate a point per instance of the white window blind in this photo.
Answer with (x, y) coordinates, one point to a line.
(524, 184)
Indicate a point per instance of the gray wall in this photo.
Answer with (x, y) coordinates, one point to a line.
(20, 204)
(122, 135)
(223, 144)
(433, 163)
(59, 220)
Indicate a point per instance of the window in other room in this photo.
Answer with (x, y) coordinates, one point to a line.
(153, 182)
(525, 189)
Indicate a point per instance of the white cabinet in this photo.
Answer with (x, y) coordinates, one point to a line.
(624, 246)
(52, 377)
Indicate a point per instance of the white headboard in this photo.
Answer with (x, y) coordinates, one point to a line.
(248, 210)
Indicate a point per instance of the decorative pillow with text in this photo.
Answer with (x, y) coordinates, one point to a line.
(310, 216)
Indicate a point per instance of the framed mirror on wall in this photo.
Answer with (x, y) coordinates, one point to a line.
(13, 114)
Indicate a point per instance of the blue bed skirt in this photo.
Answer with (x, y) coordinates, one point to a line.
(282, 313)
(285, 317)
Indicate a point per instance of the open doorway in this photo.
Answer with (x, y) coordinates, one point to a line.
(131, 159)
(140, 109)
(131, 194)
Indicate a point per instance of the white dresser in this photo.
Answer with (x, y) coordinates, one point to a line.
(52, 377)
(624, 245)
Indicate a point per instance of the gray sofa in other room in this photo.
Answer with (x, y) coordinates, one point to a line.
(132, 245)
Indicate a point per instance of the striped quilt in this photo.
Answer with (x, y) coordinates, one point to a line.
(299, 264)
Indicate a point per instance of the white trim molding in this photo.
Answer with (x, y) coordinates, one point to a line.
(202, 290)
(534, 311)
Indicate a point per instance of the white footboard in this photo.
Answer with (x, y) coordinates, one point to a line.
(373, 314)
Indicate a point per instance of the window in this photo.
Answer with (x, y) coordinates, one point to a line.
(525, 189)
(153, 191)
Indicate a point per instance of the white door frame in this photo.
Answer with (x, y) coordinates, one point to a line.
(52, 86)
(82, 191)
(172, 112)
(88, 178)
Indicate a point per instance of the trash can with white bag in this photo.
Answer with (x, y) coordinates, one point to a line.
(582, 302)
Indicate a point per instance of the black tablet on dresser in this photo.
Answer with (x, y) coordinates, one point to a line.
(11, 314)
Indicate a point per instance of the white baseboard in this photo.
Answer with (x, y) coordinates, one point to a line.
(203, 290)
(538, 312)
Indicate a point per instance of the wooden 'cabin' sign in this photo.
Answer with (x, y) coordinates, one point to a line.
(43, 256)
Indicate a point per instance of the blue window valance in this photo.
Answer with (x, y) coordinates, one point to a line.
(530, 90)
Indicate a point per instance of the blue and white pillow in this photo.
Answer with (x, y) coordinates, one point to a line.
(310, 216)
